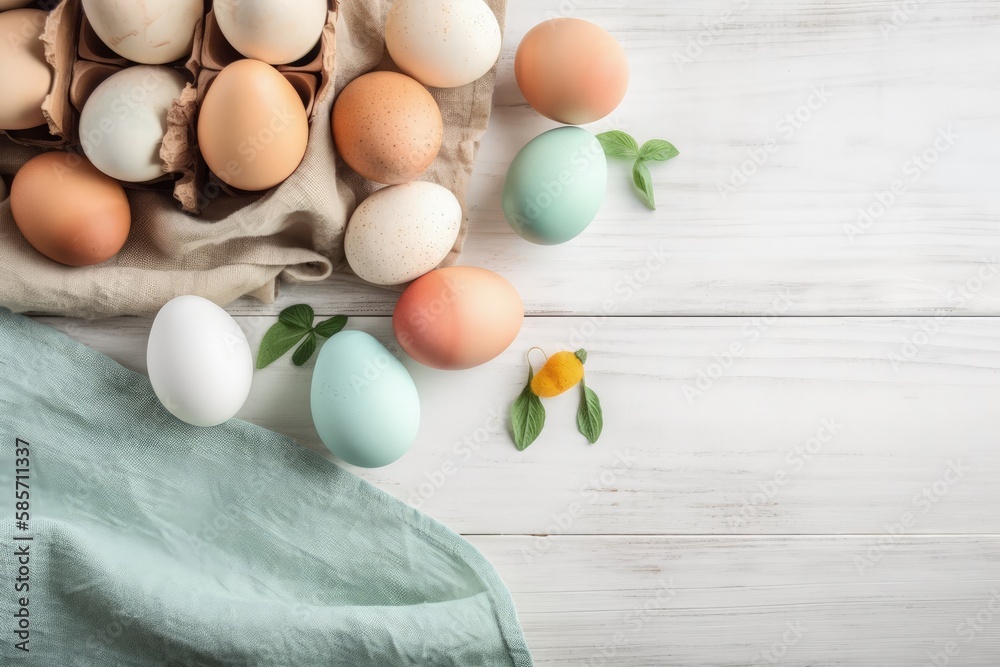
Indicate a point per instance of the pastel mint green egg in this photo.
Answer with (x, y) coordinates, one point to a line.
(555, 186)
(364, 403)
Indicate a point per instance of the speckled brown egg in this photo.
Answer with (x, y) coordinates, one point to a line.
(68, 210)
(387, 127)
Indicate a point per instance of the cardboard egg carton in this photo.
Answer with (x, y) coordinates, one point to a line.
(81, 61)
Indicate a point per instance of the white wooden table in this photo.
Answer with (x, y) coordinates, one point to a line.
(801, 459)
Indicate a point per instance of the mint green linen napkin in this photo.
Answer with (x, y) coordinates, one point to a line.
(156, 543)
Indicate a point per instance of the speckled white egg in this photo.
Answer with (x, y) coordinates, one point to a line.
(199, 361)
(443, 43)
(402, 232)
(151, 32)
(124, 120)
(277, 32)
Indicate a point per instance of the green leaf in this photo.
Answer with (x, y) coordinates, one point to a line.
(300, 317)
(590, 417)
(527, 416)
(619, 144)
(644, 181)
(332, 326)
(658, 150)
(278, 340)
(306, 350)
(581, 355)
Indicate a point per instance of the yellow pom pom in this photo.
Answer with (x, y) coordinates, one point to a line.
(561, 372)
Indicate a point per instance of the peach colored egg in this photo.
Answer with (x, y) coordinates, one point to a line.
(68, 210)
(571, 71)
(252, 129)
(458, 318)
(387, 127)
(25, 76)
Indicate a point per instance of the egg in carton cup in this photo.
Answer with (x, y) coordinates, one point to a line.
(311, 76)
(59, 38)
(207, 185)
(90, 47)
(177, 150)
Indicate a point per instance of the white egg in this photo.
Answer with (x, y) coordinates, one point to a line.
(402, 232)
(443, 43)
(275, 31)
(124, 120)
(199, 361)
(151, 32)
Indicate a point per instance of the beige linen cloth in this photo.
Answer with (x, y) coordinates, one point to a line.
(243, 245)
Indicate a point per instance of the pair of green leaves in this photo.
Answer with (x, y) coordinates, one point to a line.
(527, 415)
(295, 324)
(618, 144)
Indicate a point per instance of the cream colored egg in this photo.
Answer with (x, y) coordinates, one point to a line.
(443, 43)
(277, 32)
(124, 120)
(402, 232)
(151, 32)
(25, 76)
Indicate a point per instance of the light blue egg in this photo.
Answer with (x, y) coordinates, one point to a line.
(364, 403)
(555, 186)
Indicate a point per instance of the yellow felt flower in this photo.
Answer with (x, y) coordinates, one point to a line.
(562, 372)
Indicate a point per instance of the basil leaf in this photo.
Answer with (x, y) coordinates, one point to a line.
(332, 326)
(278, 340)
(300, 316)
(658, 150)
(644, 181)
(590, 417)
(619, 144)
(305, 350)
(527, 416)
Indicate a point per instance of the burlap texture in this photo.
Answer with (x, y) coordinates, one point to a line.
(243, 245)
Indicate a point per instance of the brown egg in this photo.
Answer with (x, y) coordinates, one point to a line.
(252, 129)
(458, 318)
(25, 76)
(68, 210)
(571, 71)
(387, 127)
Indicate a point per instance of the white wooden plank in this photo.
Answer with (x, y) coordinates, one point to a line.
(658, 601)
(747, 453)
(785, 230)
